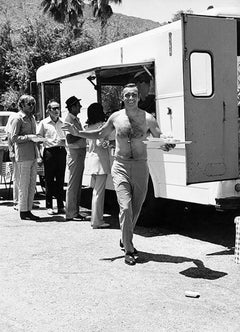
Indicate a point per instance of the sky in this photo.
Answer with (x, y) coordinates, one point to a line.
(163, 10)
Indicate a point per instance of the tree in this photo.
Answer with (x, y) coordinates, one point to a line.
(66, 11)
(103, 11)
(28, 41)
(40, 41)
(5, 45)
(71, 11)
(178, 14)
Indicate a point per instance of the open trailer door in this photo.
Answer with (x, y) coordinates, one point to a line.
(210, 97)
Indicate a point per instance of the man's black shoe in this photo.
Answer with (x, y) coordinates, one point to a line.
(129, 258)
(77, 218)
(27, 215)
(33, 216)
(135, 252)
(61, 210)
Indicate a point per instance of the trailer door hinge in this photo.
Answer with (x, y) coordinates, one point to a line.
(185, 17)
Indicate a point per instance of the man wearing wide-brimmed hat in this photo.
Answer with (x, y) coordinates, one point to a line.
(76, 151)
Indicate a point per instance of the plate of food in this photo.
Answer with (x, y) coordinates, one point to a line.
(156, 142)
(38, 139)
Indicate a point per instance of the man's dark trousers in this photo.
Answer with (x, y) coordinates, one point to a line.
(54, 160)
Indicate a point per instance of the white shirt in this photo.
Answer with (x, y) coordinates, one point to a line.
(52, 131)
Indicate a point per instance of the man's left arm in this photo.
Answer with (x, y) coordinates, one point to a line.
(153, 126)
(156, 132)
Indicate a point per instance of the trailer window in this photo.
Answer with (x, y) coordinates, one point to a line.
(201, 74)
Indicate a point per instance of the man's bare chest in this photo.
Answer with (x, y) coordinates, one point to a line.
(131, 128)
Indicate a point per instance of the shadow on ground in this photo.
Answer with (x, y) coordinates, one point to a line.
(195, 221)
(161, 217)
(199, 271)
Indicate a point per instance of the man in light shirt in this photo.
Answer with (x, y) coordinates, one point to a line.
(23, 136)
(54, 157)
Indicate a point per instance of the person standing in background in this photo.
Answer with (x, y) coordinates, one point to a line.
(147, 102)
(145, 84)
(23, 136)
(76, 152)
(98, 163)
(54, 157)
(12, 158)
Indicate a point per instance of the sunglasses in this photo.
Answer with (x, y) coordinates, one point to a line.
(30, 104)
(55, 108)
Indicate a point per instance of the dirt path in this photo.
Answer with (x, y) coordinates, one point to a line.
(66, 277)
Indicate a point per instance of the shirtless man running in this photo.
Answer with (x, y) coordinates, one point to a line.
(129, 170)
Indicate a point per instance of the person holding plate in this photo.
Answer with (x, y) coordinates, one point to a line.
(22, 134)
(129, 170)
(54, 157)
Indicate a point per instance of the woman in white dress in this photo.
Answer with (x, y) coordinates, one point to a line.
(98, 164)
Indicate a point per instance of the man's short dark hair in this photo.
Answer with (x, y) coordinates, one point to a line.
(130, 85)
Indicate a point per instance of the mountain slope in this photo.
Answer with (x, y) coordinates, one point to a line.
(119, 26)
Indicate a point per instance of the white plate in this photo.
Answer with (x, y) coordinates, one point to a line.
(39, 139)
(154, 142)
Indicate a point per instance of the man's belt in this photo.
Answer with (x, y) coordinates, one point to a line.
(56, 148)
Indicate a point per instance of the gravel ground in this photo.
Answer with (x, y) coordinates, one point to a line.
(66, 277)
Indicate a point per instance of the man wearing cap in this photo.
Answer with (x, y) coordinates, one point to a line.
(76, 152)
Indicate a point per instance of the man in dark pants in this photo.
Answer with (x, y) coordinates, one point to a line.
(76, 152)
(54, 157)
